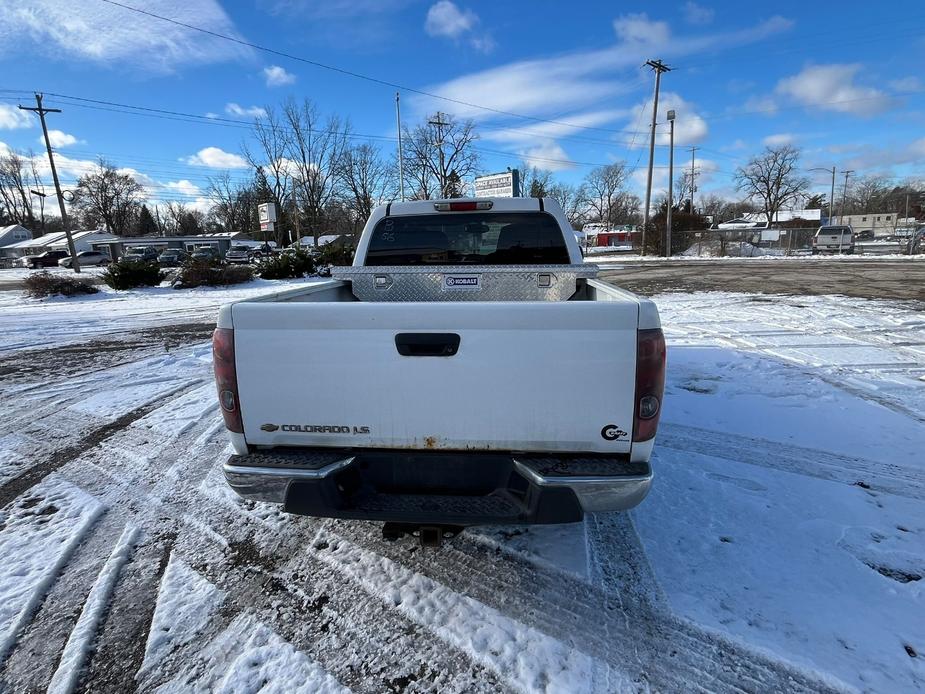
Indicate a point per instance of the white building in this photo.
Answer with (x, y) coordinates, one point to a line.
(13, 234)
(56, 241)
(785, 216)
(881, 223)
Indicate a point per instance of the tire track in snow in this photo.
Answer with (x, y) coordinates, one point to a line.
(529, 660)
(883, 477)
(32, 475)
(304, 600)
(79, 643)
(39, 534)
(646, 648)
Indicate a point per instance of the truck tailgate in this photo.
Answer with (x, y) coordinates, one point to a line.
(545, 376)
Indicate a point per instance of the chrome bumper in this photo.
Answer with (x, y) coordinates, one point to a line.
(268, 476)
(271, 483)
(596, 493)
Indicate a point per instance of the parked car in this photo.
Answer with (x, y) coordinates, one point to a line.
(239, 254)
(833, 239)
(86, 259)
(147, 254)
(454, 395)
(864, 235)
(172, 257)
(205, 253)
(46, 259)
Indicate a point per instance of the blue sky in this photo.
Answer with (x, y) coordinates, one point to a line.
(840, 81)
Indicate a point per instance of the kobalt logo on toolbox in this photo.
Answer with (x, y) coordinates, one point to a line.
(461, 281)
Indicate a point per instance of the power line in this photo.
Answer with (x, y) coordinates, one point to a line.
(344, 71)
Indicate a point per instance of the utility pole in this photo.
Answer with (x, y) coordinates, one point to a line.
(39, 109)
(659, 68)
(832, 199)
(401, 154)
(844, 197)
(693, 151)
(670, 186)
(42, 196)
(439, 123)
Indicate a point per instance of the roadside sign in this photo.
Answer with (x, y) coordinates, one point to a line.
(499, 185)
(267, 226)
(266, 212)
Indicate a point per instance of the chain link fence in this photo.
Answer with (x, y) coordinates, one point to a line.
(745, 243)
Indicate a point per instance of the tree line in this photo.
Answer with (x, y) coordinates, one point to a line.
(324, 182)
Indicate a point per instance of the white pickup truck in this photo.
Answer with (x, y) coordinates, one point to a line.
(467, 369)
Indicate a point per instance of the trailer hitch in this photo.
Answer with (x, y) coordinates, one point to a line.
(428, 535)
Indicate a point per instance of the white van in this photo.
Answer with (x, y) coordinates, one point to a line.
(834, 239)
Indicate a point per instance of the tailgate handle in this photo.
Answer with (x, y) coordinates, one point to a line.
(427, 344)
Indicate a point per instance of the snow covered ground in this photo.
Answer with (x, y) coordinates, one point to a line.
(31, 323)
(782, 547)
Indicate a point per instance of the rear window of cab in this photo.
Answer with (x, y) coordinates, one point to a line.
(480, 238)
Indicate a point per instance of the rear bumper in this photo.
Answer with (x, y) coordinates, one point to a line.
(448, 487)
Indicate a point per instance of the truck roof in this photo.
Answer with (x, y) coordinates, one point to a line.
(411, 207)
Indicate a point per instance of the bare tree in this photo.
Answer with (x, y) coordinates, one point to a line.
(433, 169)
(535, 182)
(772, 179)
(235, 204)
(109, 198)
(572, 199)
(18, 175)
(273, 171)
(605, 191)
(367, 180)
(315, 149)
(867, 194)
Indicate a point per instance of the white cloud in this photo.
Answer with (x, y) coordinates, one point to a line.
(252, 112)
(761, 104)
(689, 127)
(59, 138)
(572, 81)
(571, 123)
(639, 29)
(697, 14)
(483, 44)
(277, 76)
(907, 84)
(547, 155)
(11, 118)
(216, 158)
(779, 139)
(833, 88)
(444, 18)
(114, 36)
(183, 187)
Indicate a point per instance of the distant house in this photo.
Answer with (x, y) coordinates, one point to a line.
(13, 234)
(57, 240)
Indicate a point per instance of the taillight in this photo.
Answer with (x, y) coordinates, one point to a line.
(650, 383)
(226, 378)
(466, 206)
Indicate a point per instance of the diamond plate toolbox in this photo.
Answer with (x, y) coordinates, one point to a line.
(465, 282)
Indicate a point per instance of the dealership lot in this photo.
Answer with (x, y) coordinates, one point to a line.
(780, 549)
